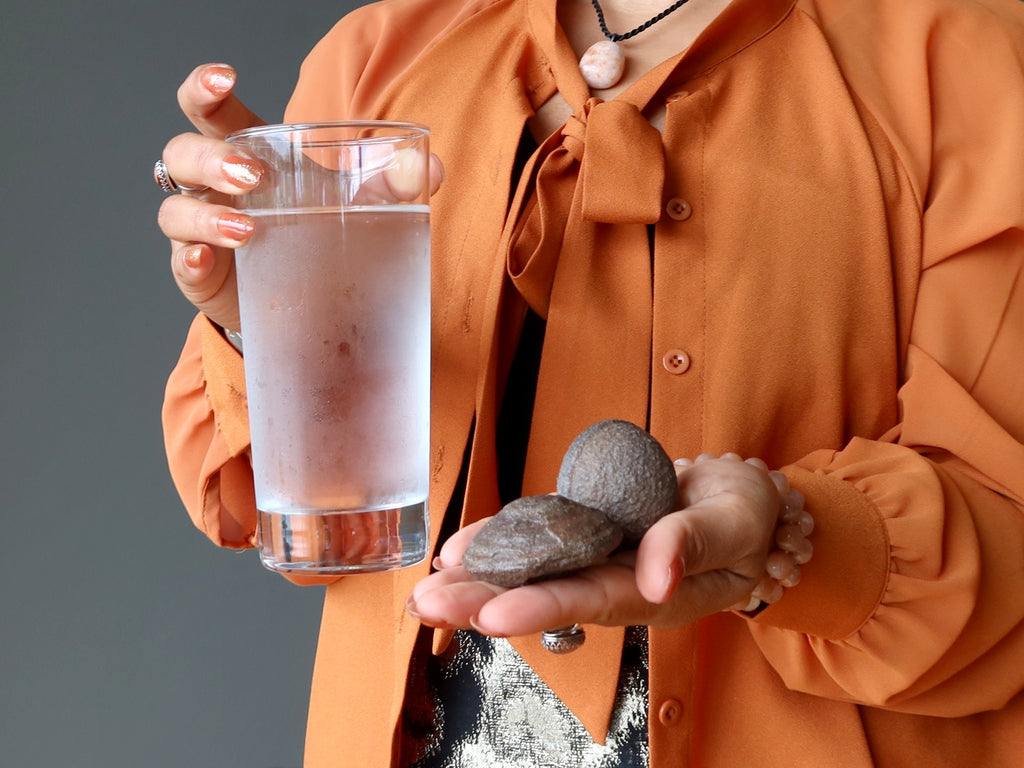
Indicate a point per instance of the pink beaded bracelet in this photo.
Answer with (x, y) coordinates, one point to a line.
(792, 547)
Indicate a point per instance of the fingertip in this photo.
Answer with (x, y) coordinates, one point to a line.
(661, 559)
(236, 226)
(436, 173)
(243, 172)
(192, 256)
(450, 554)
(476, 623)
(410, 606)
(657, 582)
(413, 610)
(404, 174)
(218, 79)
(419, 589)
(194, 261)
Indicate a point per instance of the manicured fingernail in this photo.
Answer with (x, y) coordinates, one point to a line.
(219, 79)
(241, 171)
(437, 564)
(192, 256)
(235, 225)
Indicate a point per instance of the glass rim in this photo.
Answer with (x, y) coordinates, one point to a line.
(410, 129)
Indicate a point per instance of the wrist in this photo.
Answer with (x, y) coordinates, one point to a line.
(791, 548)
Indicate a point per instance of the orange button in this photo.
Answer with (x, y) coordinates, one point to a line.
(677, 96)
(670, 712)
(678, 209)
(676, 361)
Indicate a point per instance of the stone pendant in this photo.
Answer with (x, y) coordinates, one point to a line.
(602, 64)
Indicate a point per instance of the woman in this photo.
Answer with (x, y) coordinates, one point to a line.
(790, 230)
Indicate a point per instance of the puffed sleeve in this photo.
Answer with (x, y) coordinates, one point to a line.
(921, 609)
(206, 436)
(349, 73)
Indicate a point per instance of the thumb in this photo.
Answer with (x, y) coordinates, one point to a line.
(673, 548)
(452, 550)
(704, 538)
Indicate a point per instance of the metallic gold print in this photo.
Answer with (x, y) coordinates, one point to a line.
(522, 724)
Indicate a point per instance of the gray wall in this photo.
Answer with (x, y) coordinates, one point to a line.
(126, 639)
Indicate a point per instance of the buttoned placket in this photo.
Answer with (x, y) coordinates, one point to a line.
(671, 709)
(677, 397)
(678, 338)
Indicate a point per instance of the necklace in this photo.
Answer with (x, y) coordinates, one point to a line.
(604, 62)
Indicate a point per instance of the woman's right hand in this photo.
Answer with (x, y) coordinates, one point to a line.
(202, 227)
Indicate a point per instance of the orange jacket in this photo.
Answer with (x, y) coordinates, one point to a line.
(839, 249)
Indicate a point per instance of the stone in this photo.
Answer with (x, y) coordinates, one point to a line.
(602, 64)
(618, 468)
(539, 537)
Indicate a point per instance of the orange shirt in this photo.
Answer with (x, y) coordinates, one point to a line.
(838, 251)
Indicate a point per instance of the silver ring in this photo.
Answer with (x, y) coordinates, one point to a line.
(167, 184)
(163, 178)
(563, 639)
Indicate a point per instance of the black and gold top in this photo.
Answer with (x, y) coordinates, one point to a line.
(479, 705)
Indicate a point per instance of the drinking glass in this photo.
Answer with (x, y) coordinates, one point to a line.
(334, 295)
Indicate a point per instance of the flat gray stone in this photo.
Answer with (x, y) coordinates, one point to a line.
(538, 537)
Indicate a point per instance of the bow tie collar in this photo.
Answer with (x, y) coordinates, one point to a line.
(604, 166)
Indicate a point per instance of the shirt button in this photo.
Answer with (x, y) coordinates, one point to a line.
(678, 209)
(676, 96)
(670, 712)
(676, 361)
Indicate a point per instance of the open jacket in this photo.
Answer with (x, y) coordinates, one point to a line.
(834, 283)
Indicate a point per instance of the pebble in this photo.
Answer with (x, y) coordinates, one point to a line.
(539, 537)
(617, 467)
(602, 64)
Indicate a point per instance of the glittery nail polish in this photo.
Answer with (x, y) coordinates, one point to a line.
(219, 79)
(241, 171)
(192, 256)
(235, 225)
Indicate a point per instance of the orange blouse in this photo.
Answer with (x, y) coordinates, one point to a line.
(838, 215)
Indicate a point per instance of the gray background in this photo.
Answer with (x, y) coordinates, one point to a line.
(126, 639)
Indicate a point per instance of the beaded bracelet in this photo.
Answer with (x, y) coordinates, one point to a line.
(792, 547)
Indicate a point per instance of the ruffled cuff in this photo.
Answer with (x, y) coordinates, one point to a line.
(842, 585)
(892, 582)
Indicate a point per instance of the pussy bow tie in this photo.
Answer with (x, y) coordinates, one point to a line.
(577, 250)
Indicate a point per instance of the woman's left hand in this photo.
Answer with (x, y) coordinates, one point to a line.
(703, 558)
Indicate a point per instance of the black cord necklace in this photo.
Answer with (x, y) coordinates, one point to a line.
(603, 63)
